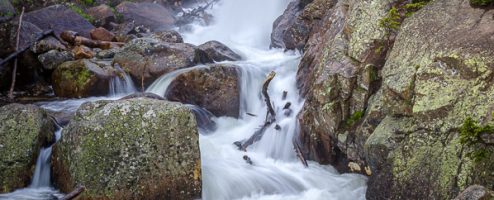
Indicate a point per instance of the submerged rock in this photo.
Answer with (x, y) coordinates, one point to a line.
(218, 52)
(214, 88)
(82, 78)
(130, 149)
(24, 129)
(146, 59)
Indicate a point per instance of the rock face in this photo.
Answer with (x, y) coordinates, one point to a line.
(475, 192)
(148, 59)
(8, 34)
(219, 52)
(402, 114)
(214, 88)
(24, 129)
(59, 18)
(290, 30)
(149, 15)
(130, 149)
(82, 78)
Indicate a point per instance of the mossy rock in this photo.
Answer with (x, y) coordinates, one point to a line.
(24, 129)
(81, 78)
(130, 149)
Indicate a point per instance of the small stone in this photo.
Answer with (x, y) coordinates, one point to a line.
(82, 52)
(102, 34)
(354, 167)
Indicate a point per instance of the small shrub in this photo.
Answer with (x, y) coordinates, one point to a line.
(481, 2)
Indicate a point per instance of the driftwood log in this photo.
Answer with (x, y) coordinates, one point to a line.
(75, 193)
(74, 38)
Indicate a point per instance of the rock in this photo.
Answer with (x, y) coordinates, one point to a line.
(167, 36)
(59, 18)
(219, 52)
(149, 58)
(52, 59)
(102, 34)
(290, 31)
(47, 44)
(7, 11)
(431, 85)
(130, 149)
(103, 15)
(475, 192)
(8, 35)
(149, 15)
(82, 78)
(81, 51)
(24, 129)
(107, 53)
(214, 88)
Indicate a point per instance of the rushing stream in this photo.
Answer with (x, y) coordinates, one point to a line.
(275, 172)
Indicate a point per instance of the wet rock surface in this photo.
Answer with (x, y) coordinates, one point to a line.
(214, 88)
(218, 52)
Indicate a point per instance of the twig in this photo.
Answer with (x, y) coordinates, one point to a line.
(75, 193)
(300, 156)
(266, 95)
(14, 71)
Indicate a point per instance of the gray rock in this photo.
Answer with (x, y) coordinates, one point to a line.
(219, 52)
(52, 59)
(130, 149)
(24, 129)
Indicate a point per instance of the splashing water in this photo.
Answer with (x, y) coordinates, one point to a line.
(275, 172)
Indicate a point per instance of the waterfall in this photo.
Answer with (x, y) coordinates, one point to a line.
(121, 84)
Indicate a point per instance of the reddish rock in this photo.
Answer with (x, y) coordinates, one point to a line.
(102, 34)
(82, 52)
(103, 15)
(214, 88)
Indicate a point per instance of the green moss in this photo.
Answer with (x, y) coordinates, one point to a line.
(81, 12)
(415, 6)
(481, 2)
(354, 118)
(392, 20)
(470, 136)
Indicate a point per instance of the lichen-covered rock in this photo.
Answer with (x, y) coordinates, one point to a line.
(218, 52)
(336, 85)
(82, 78)
(147, 58)
(24, 129)
(214, 88)
(476, 192)
(432, 83)
(52, 59)
(47, 44)
(130, 149)
(167, 36)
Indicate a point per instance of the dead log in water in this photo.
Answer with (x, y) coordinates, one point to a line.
(75, 193)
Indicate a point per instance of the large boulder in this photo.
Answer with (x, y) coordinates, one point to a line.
(219, 52)
(24, 129)
(8, 34)
(146, 59)
(130, 149)
(151, 16)
(438, 87)
(82, 78)
(59, 18)
(214, 88)
(290, 30)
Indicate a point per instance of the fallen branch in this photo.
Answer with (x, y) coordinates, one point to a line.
(300, 156)
(270, 116)
(74, 39)
(16, 53)
(14, 71)
(75, 193)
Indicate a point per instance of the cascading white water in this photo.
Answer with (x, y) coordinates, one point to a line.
(276, 173)
(121, 84)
